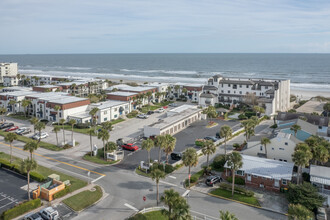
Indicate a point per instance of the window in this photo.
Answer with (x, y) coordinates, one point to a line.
(286, 143)
(228, 91)
(240, 86)
(266, 87)
(240, 92)
(105, 112)
(105, 119)
(285, 160)
(247, 86)
(281, 148)
(260, 147)
(254, 176)
(228, 85)
(240, 172)
(115, 109)
(272, 148)
(284, 182)
(235, 92)
(115, 116)
(221, 91)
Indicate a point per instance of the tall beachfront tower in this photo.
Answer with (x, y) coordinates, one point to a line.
(7, 69)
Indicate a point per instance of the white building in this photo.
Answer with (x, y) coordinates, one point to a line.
(16, 88)
(110, 110)
(177, 119)
(193, 91)
(320, 177)
(273, 95)
(10, 81)
(7, 69)
(281, 147)
(17, 96)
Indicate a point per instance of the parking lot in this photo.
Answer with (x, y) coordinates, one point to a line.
(10, 190)
(184, 139)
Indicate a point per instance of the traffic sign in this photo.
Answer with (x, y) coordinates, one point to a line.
(144, 198)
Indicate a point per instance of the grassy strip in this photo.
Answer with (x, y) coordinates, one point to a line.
(21, 117)
(113, 122)
(237, 197)
(78, 130)
(97, 160)
(44, 171)
(194, 178)
(149, 216)
(45, 145)
(84, 199)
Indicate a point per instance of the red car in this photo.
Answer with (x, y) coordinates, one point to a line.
(130, 147)
(13, 128)
(165, 107)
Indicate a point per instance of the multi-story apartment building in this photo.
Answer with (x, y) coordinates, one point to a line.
(7, 69)
(273, 95)
(10, 81)
(191, 91)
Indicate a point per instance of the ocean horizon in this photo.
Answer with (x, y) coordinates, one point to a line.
(306, 71)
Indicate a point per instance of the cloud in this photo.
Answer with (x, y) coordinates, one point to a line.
(160, 26)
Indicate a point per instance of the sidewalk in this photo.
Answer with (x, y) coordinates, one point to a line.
(57, 201)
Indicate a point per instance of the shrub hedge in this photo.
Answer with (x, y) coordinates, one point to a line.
(218, 162)
(62, 193)
(236, 189)
(238, 180)
(20, 209)
(37, 176)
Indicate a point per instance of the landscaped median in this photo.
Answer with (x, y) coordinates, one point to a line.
(149, 216)
(240, 194)
(84, 199)
(20, 209)
(98, 158)
(168, 169)
(45, 145)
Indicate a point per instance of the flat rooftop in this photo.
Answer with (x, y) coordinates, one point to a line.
(172, 119)
(266, 167)
(47, 86)
(119, 93)
(130, 88)
(311, 106)
(18, 93)
(182, 108)
(67, 100)
(108, 104)
(47, 95)
(80, 115)
(17, 88)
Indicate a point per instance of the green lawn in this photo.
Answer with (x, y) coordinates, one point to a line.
(155, 215)
(113, 122)
(97, 159)
(84, 199)
(45, 145)
(194, 178)
(238, 197)
(21, 117)
(79, 130)
(75, 183)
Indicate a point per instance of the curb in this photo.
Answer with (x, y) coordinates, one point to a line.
(101, 165)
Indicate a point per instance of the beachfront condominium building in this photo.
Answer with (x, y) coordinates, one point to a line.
(273, 95)
(190, 91)
(10, 81)
(7, 69)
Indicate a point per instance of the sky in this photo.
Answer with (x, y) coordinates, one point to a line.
(164, 26)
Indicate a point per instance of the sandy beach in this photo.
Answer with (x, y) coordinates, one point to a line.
(308, 94)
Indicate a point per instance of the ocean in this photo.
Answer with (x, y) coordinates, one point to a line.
(306, 71)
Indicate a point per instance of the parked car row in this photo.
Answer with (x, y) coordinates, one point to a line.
(48, 213)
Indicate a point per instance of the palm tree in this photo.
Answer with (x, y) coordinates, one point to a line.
(104, 136)
(299, 212)
(320, 154)
(27, 166)
(72, 122)
(92, 113)
(258, 110)
(225, 215)
(157, 174)
(34, 121)
(62, 122)
(249, 126)
(160, 141)
(107, 126)
(295, 128)
(181, 209)
(326, 108)
(149, 95)
(210, 112)
(226, 132)
(56, 129)
(39, 127)
(184, 91)
(301, 157)
(235, 163)
(169, 89)
(170, 198)
(208, 148)
(31, 146)
(57, 108)
(91, 133)
(2, 112)
(25, 104)
(169, 145)
(264, 141)
(12, 102)
(10, 138)
(189, 159)
(177, 88)
(148, 145)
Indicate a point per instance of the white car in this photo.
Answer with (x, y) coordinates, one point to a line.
(42, 136)
(144, 116)
(160, 110)
(49, 213)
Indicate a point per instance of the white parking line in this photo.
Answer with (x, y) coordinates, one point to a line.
(171, 184)
(6, 205)
(131, 207)
(186, 193)
(173, 177)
